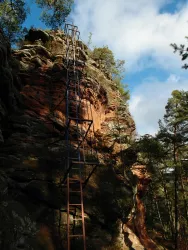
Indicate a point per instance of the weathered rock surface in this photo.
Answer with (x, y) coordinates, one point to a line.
(32, 120)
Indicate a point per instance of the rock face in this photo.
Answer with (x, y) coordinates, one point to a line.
(32, 121)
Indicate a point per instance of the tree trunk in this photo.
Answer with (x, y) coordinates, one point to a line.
(136, 221)
(167, 201)
(176, 215)
(184, 194)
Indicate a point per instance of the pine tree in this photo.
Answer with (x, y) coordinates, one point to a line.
(183, 52)
(166, 158)
(174, 136)
(12, 15)
(54, 11)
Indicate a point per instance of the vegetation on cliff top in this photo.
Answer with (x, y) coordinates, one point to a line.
(13, 14)
(115, 68)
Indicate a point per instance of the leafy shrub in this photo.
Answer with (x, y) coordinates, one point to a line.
(115, 68)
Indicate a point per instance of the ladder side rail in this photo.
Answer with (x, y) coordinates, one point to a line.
(83, 221)
(73, 91)
(67, 142)
(68, 214)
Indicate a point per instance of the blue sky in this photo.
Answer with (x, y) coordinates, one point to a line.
(139, 32)
(33, 17)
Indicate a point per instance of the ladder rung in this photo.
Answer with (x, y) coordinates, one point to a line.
(75, 182)
(75, 191)
(77, 219)
(74, 179)
(77, 162)
(83, 120)
(74, 100)
(85, 162)
(76, 235)
(75, 204)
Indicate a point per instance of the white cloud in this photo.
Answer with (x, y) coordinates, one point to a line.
(134, 29)
(148, 100)
(140, 32)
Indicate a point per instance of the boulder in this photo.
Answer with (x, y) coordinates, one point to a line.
(36, 34)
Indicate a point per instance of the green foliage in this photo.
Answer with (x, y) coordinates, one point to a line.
(164, 155)
(14, 12)
(122, 89)
(177, 108)
(89, 39)
(183, 52)
(105, 57)
(12, 15)
(150, 149)
(176, 117)
(54, 11)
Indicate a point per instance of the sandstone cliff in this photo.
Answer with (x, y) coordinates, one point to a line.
(32, 118)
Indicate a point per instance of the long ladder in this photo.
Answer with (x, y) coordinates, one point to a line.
(74, 140)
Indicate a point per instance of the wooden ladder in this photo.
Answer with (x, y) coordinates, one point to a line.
(74, 186)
